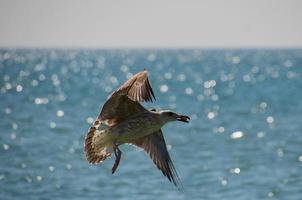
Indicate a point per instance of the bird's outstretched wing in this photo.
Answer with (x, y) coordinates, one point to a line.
(155, 146)
(124, 101)
(137, 88)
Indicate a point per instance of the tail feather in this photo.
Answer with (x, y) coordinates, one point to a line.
(95, 152)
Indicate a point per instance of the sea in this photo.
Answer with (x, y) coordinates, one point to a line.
(244, 140)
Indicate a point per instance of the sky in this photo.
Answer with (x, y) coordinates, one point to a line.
(151, 23)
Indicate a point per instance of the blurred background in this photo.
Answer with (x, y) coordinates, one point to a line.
(234, 67)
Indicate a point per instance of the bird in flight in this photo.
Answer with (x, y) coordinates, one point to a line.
(124, 120)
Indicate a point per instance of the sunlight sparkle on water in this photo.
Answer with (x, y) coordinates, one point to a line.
(124, 68)
(39, 101)
(51, 168)
(288, 63)
(52, 125)
(7, 111)
(189, 91)
(13, 136)
(19, 88)
(270, 194)
(220, 129)
(5, 146)
(8, 86)
(200, 97)
(181, 77)
(263, 105)
(270, 119)
(129, 75)
(168, 75)
(214, 97)
(68, 166)
(223, 181)
(14, 126)
(34, 83)
(246, 78)
(260, 134)
(28, 179)
(60, 113)
(236, 60)
(211, 115)
(235, 170)
(209, 84)
(89, 120)
(164, 88)
(280, 152)
(42, 77)
(2, 177)
(237, 135)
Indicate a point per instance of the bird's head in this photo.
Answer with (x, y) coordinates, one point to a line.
(168, 115)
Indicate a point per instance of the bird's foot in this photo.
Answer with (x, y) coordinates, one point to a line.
(117, 153)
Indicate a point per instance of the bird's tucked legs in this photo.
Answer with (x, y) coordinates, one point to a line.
(117, 153)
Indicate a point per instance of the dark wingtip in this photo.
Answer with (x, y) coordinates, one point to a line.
(151, 90)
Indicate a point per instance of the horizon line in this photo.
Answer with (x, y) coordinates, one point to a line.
(168, 47)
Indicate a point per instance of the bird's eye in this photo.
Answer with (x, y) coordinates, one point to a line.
(170, 113)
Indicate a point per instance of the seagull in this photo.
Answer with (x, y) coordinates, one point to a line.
(123, 120)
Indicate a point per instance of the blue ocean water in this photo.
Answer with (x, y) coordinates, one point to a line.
(244, 140)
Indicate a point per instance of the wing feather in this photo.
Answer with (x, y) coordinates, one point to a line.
(94, 153)
(118, 108)
(155, 146)
(124, 101)
(137, 87)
